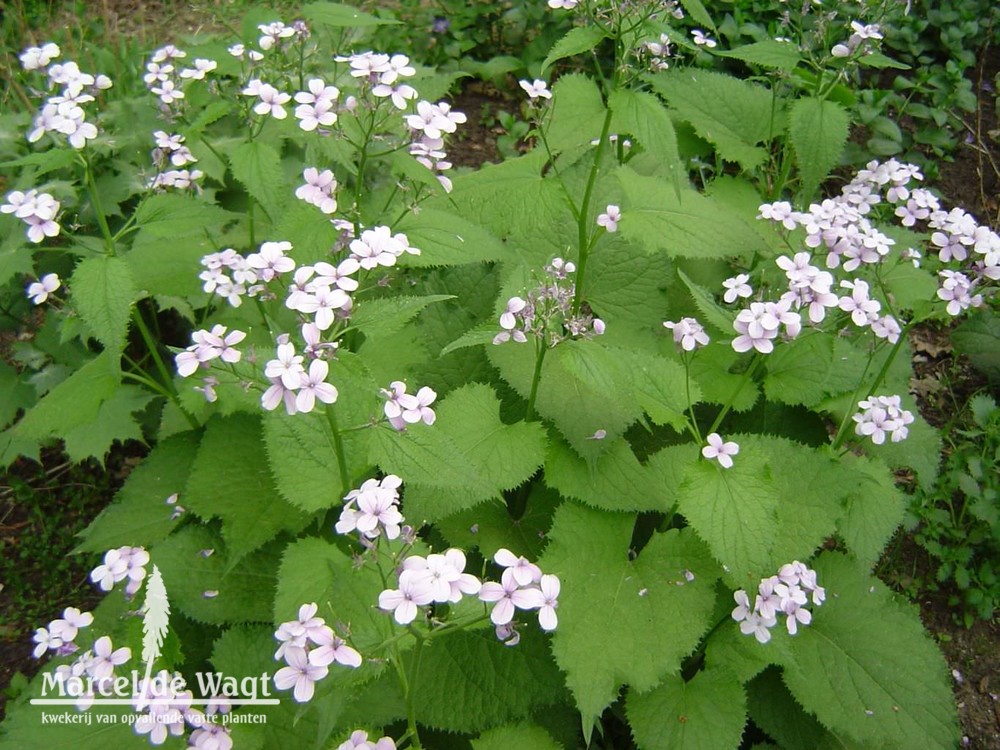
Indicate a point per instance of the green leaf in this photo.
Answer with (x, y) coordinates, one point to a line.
(424, 455)
(170, 214)
(74, 402)
(310, 232)
(162, 265)
(577, 378)
(624, 620)
(697, 11)
(920, 451)
(446, 239)
(978, 337)
(520, 735)
(15, 256)
(642, 115)
(774, 710)
(244, 592)
(244, 495)
(115, 423)
(257, 166)
(767, 54)
(866, 668)
(878, 60)
(712, 312)
(615, 481)
(388, 315)
(663, 389)
(798, 370)
(577, 114)
(817, 129)
(576, 40)
(303, 459)
(686, 225)
(337, 15)
(731, 114)
(473, 681)
(873, 509)
(734, 511)
(139, 514)
(103, 292)
(708, 711)
(44, 162)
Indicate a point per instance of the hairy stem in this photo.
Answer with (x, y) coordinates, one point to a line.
(338, 447)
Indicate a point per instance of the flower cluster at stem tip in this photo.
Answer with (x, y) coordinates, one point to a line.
(782, 594)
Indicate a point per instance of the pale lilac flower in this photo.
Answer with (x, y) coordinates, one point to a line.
(318, 189)
(111, 571)
(287, 366)
(374, 503)
(414, 591)
(702, 40)
(201, 67)
(737, 287)
(881, 416)
(956, 289)
(863, 309)
(314, 386)
(757, 327)
(300, 675)
(332, 649)
(688, 333)
(106, 658)
(536, 89)
(549, 586)
(39, 291)
(35, 58)
(70, 623)
(319, 93)
(508, 595)
(514, 306)
(525, 572)
(402, 408)
(359, 741)
(610, 218)
(399, 94)
(168, 92)
(45, 640)
(720, 451)
(780, 212)
(271, 260)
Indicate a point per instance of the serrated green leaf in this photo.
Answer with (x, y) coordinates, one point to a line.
(767, 54)
(309, 230)
(642, 115)
(614, 481)
(689, 225)
(707, 711)
(577, 114)
(866, 668)
(774, 710)
(388, 315)
(234, 594)
(798, 370)
(74, 402)
(447, 239)
(817, 129)
(663, 389)
(257, 165)
(244, 496)
(15, 258)
(103, 292)
(920, 451)
(337, 15)
(162, 265)
(303, 459)
(697, 11)
(576, 40)
(139, 514)
(426, 456)
(624, 620)
(577, 378)
(978, 337)
(873, 509)
(731, 114)
(473, 682)
(521, 735)
(115, 423)
(169, 215)
(713, 313)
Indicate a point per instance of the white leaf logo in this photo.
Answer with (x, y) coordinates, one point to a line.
(155, 623)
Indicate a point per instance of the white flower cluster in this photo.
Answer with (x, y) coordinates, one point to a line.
(372, 509)
(547, 313)
(93, 672)
(317, 105)
(384, 74)
(122, 564)
(208, 346)
(688, 333)
(273, 33)
(308, 647)
(762, 322)
(38, 211)
(170, 149)
(658, 52)
(380, 247)
(291, 383)
(423, 580)
(429, 126)
(61, 633)
(318, 189)
(359, 741)
(63, 113)
(270, 101)
(861, 33)
(402, 408)
(522, 586)
(783, 594)
(882, 415)
(165, 81)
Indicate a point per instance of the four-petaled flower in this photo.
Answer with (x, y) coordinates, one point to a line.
(720, 451)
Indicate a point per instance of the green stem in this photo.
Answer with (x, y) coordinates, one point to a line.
(168, 381)
(411, 712)
(338, 447)
(250, 210)
(95, 201)
(529, 414)
(747, 377)
(583, 217)
(687, 392)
